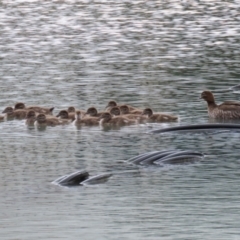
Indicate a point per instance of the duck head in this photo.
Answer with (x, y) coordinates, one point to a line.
(19, 106)
(41, 118)
(115, 111)
(8, 110)
(124, 109)
(63, 114)
(71, 109)
(148, 112)
(111, 104)
(107, 116)
(92, 111)
(208, 96)
(31, 114)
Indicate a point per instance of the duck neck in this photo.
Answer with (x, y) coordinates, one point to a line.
(211, 104)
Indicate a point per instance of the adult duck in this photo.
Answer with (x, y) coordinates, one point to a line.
(229, 110)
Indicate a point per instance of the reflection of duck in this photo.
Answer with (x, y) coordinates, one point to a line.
(108, 120)
(43, 121)
(18, 113)
(158, 117)
(229, 110)
(34, 108)
(63, 114)
(87, 121)
(30, 118)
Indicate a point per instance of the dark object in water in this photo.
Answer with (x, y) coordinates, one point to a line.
(208, 126)
(167, 157)
(101, 178)
(80, 178)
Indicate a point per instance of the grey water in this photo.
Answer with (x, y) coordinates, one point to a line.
(158, 54)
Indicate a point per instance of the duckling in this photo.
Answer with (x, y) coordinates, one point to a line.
(107, 120)
(43, 121)
(229, 110)
(73, 110)
(158, 117)
(63, 114)
(18, 113)
(115, 111)
(114, 104)
(87, 121)
(92, 111)
(125, 110)
(34, 108)
(31, 118)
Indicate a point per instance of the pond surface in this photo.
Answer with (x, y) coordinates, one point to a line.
(158, 54)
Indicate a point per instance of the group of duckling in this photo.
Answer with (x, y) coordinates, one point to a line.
(114, 115)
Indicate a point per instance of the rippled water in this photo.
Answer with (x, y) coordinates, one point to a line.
(160, 54)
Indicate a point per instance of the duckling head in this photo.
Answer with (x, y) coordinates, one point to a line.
(19, 106)
(115, 111)
(92, 111)
(63, 114)
(71, 109)
(111, 104)
(31, 114)
(124, 109)
(107, 116)
(8, 110)
(148, 112)
(41, 118)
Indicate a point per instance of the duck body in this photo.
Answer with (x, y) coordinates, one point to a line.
(43, 121)
(108, 120)
(158, 117)
(114, 104)
(63, 114)
(18, 113)
(34, 108)
(86, 121)
(228, 110)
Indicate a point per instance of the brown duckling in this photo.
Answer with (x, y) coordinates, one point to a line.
(73, 110)
(115, 111)
(158, 117)
(43, 121)
(87, 121)
(34, 108)
(18, 113)
(229, 110)
(63, 114)
(92, 112)
(30, 118)
(114, 104)
(108, 120)
(126, 110)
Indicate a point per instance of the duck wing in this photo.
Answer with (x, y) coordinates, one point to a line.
(230, 106)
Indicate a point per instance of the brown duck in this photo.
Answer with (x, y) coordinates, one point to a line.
(92, 112)
(73, 110)
(18, 113)
(108, 120)
(30, 118)
(63, 114)
(114, 104)
(86, 121)
(158, 117)
(43, 121)
(229, 110)
(34, 108)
